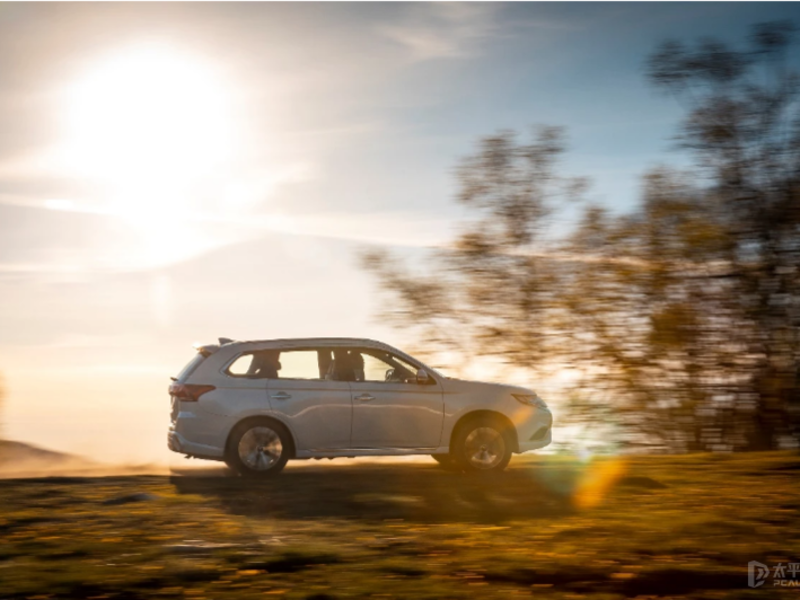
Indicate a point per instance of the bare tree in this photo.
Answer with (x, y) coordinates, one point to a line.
(682, 317)
(491, 290)
(743, 125)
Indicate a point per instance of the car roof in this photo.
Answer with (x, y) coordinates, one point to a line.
(316, 341)
(245, 345)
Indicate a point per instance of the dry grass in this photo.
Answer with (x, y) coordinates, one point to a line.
(549, 527)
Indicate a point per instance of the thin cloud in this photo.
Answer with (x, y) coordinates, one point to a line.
(152, 243)
(448, 30)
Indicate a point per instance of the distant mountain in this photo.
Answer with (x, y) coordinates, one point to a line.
(18, 459)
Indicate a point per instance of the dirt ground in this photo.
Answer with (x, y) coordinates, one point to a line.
(554, 527)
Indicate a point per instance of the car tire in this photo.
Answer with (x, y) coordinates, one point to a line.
(482, 445)
(259, 448)
(445, 461)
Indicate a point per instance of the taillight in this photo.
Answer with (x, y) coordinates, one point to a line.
(189, 392)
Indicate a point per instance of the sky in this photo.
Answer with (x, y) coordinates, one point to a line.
(172, 173)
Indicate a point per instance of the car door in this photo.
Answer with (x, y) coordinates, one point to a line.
(398, 413)
(318, 411)
(236, 393)
(240, 390)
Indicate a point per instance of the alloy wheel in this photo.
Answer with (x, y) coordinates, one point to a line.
(260, 448)
(484, 448)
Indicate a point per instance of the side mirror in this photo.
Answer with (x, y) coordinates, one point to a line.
(422, 377)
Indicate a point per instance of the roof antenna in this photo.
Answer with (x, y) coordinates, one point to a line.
(223, 341)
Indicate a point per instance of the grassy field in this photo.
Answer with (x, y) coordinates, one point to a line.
(549, 527)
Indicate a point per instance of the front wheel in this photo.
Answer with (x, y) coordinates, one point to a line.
(258, 448)
(482, 445)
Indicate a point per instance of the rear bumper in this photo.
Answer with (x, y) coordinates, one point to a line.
(177, 443)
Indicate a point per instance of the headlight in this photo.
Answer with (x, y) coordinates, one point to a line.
(530, 400)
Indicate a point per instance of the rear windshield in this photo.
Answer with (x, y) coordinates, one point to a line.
(191, 366)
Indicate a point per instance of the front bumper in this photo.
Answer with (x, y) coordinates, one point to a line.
(536, 432)
(535, 445)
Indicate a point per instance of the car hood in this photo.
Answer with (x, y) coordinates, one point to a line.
(463, 385)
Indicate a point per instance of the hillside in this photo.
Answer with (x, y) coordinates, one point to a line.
(20, 459)
(612, 527)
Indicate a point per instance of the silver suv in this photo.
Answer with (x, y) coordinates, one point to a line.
(257, 404)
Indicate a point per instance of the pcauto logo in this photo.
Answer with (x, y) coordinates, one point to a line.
(758, 573)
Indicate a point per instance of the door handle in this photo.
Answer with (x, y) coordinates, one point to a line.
(365, 397)
(281, 396)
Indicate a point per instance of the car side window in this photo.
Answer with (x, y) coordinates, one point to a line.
(277, 364)
(374, 368)
(241, 366)
(338, 364)
(300, 364)
(259, 364)
(385, 367)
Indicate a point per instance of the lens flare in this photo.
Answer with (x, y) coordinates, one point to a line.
(597, 480)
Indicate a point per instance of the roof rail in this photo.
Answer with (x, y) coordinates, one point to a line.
(206, 349)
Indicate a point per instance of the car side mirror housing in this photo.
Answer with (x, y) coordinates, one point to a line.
(423, 377)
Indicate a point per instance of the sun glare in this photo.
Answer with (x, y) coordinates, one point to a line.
(147, 124)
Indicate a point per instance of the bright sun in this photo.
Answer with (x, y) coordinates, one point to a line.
(147, 124)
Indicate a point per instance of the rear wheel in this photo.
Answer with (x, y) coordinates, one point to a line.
(259, 448)
(483, 445)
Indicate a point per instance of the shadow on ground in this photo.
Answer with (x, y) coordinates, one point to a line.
(412, 492)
